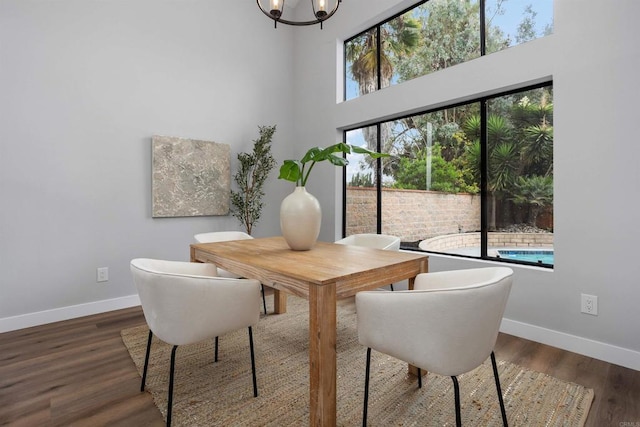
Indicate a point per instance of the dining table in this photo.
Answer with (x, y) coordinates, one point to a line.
(323, 274)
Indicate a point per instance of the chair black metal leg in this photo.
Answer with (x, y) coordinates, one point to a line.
(366, 389)
(146, 361)
(419, 378)
(215, 357)
(499, 389)
(253, 364)
(391, 286)
(170, 395)
(264, 300)
(456, 390)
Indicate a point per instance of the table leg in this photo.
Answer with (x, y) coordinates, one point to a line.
(322, 355)
(279, 302)
(412, 369)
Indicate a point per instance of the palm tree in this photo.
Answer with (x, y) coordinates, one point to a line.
(398, 38)
(535, 119)
(503, 157)
(503, 165)
(537, 148)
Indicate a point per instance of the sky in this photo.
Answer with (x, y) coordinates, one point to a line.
(513, 14)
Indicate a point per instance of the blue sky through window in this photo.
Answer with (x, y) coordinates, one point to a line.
(514, 12)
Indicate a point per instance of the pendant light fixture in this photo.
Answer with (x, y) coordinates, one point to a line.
(322, 10)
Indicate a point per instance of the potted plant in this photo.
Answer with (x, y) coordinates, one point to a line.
(253, 171)
(300, 213)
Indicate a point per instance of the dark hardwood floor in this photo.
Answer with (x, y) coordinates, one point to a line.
(79, 373)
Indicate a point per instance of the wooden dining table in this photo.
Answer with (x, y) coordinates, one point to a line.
(322, 275)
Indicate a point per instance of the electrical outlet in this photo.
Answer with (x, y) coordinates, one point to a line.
(102, 274)
(589, 304)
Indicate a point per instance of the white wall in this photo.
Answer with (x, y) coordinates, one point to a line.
(84, 84)
(593, 57)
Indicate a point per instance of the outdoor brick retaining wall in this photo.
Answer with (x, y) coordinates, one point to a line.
(417, 214)
(412, 214)
(497, 240)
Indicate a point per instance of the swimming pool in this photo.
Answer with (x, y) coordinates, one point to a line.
(537, 256)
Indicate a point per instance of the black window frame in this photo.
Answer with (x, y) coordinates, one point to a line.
(377, 28)
(483, 100)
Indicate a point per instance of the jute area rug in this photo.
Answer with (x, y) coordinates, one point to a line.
(221, 394)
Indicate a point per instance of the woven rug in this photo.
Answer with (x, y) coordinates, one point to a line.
(221, 394)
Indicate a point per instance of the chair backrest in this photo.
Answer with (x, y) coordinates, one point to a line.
(370, 240)
(447, 329)
(183, 305)
(221, 236)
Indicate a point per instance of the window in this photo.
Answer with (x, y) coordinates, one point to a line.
(472, 180)
(361, 204)
(437, 34)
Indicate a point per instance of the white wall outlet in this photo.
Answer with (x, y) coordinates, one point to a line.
(102, 274)
(589, 304)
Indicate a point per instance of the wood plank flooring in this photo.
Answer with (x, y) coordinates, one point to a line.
(79, 373)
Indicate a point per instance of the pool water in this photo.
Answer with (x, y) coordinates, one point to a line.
(540, 257)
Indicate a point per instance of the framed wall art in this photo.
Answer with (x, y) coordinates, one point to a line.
(189, 177)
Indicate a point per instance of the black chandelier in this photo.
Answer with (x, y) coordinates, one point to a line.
(320, 8)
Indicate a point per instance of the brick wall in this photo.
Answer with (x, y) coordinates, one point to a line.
(412, 214)
(496, 239)
(444, 221)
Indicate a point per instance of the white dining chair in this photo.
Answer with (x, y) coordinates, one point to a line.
(447, 325)
(184, 303)
(371, 240)
(225, 236)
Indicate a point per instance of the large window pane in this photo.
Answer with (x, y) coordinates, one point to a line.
(520, 176)
(431, 37)
(361, 65)
(400, 43)
(433, 185)
(361, 208)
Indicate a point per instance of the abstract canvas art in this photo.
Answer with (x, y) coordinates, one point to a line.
(189, 177)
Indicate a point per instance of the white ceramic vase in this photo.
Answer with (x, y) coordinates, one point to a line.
(300, 218)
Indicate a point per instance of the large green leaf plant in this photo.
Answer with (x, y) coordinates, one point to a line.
(298, 170)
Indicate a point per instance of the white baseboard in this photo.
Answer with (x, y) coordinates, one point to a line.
(587, 347)
(596, 349)
(65, 313)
